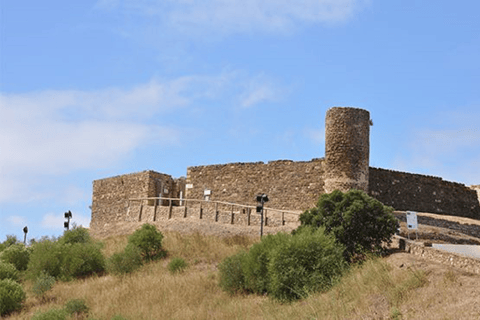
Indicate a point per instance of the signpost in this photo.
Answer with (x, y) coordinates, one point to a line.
(412, 223)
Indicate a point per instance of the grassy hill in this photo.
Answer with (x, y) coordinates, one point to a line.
(396, 287)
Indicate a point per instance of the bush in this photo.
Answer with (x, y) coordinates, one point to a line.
(17, 255)
(232, 278)
(8, 271)
(126, 261)
(43, 284)
(358, 221)
(10, 241)
(76, 235)
(255, 264)
(65, 260)
(149, 240)
(177, 265)
(76, 307)
(52, 314)
(310, 261)
(11, 296)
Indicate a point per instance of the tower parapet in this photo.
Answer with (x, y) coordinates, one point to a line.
(347, 149)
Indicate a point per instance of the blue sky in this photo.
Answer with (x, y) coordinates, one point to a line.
(92, 89)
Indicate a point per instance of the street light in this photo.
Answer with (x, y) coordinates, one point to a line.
(261, 199)
(25, 230)
(68, 216)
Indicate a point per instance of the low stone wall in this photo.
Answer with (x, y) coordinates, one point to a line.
(289, 185)
(407, 191)
(471, 265)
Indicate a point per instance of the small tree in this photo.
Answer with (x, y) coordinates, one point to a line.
(358, 221)
(12, 296)
(43, 284)
(17, 255)
(149, 240)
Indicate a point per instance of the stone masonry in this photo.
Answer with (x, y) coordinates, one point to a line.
(290, 185)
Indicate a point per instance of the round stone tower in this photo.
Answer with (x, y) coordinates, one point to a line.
(347, 149)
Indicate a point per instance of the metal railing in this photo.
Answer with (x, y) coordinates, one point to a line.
(203, 205)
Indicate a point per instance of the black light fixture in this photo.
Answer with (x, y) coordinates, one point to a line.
(68, 216)
(261, 199)
(25, 231)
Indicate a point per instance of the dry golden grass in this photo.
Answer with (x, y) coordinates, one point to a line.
(376, 290)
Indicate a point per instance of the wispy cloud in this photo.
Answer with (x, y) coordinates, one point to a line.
(235, 16)
(17, 220)
(452, 152)
(258, 90)
(57, 132)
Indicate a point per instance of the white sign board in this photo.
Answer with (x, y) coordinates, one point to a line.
(189, 186)
(412, 223)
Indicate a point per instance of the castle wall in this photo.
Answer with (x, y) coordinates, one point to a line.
(289, 185)
(407, 191)
(347, 149)
(110, 196)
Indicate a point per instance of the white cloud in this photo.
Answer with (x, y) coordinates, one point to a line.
(57, 132)
(452, 153)
(52, 221)
(81, 220)
(257, 90)
(18, 221)
(235, 16)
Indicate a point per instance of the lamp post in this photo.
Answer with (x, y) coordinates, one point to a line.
(261, 199)
(25, 231)
(68, 216)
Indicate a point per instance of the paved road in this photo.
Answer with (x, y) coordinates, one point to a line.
(466, 250)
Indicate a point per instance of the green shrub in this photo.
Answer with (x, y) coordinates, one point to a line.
(47, 257)
(76, 235)
(12, 296)
(2, 247)
(8, 271)
(17, 255)
(76, 307)
(43, 284)
(10, 241)
(65, 261)
(52, 314)
(232, 279)
(149, 240)
(177, 265)
(255, 264)
(126, 261)
(358, 221)
(310, 261)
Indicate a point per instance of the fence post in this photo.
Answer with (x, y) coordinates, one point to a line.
(216, 211)
(170, 209)
(233, 216)
(155, 211)
(266, 218)
(248, 216)
(201, 210)
(283, 218)
(185, 212)
(140, 213)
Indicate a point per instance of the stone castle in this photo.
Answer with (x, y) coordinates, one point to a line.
(290, 185)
